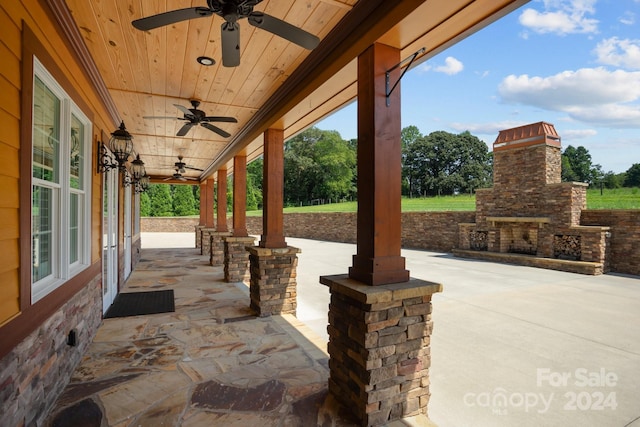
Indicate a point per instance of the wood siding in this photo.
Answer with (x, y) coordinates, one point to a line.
(22, 20)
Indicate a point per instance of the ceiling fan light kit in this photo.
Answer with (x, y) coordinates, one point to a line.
(206, 61)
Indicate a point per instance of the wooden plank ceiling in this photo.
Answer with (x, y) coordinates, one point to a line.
(277, 84)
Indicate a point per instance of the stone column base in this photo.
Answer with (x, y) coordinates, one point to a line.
(236, 258)
(205, 239)
(273, 280)
(379, 351)
(216, 247)
(198, 229)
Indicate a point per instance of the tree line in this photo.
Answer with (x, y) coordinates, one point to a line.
(321, 167)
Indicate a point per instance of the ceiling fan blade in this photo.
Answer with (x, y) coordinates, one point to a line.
(216, 129)
(220, 119)
(230, 44)
(283, 29)
(184, 129)
(168, 18)
(193, 169)
(184, 110)
(167, 179)
(161, 117)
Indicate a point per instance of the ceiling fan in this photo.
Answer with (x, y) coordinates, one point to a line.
(179, 177)
(232, 11)
(181, 166)
(193, 116)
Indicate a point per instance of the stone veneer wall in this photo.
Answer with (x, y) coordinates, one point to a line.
(434, 231)
(36, 371)
(438, 231)
(180, 224)
(624, 243)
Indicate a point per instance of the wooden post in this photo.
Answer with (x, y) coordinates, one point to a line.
(272, 190)
(203, 189)
(206, 200)
(221, 213)
(378, 259)
(240, 196)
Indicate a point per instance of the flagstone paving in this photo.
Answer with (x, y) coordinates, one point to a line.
(209, 363)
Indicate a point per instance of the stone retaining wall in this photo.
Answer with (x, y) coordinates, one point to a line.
(179, 224)
(433, 231)
(624, 242)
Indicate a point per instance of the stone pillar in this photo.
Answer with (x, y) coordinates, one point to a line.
(198, 229)
(206, 216)
(273, 280)
(379, 347)
(236, 258)
(205, 248)
(216, 247)
(379, 318)
(273, 264)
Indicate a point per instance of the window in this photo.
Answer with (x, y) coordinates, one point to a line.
(60, 186)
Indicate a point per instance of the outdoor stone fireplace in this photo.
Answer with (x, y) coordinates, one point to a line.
(530, 216)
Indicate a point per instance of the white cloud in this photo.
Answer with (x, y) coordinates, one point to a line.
(620, 53)
(578, 133)
(490, 128)
(629, 18)
(451, 66)
(561, 17)
(590, 95)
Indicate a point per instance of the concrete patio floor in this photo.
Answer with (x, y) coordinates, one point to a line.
(512, 346)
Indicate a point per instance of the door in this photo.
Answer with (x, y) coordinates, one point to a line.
(109, 238)
(127, 231)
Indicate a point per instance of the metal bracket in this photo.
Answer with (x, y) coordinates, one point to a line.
(105, 160)
(387, 75)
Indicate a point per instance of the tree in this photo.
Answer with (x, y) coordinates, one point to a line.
(408, 136)
(254, 184)
(613, 180)
(446, 163)
(161, 202)
(145, 204)
(577, 166)
(632, 178)
(318, 164)
(183, 200)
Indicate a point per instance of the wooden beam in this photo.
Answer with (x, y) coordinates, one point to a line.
(360, 28)
(240, 196)
(379, 235)
(272, 190)
(221, 213)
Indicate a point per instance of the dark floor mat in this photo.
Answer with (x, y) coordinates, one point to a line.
(139, 303)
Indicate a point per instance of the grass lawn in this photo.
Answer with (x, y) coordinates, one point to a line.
(619, 198)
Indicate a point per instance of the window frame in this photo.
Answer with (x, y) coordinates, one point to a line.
(62, 269)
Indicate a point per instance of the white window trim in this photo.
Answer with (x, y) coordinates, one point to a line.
(62, 271)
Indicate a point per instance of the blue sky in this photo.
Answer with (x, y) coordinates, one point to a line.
(572, 63)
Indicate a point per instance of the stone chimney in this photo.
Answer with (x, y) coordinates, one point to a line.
(530, 211)
(527, 156)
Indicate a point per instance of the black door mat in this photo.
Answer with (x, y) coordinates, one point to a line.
(140, 303)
